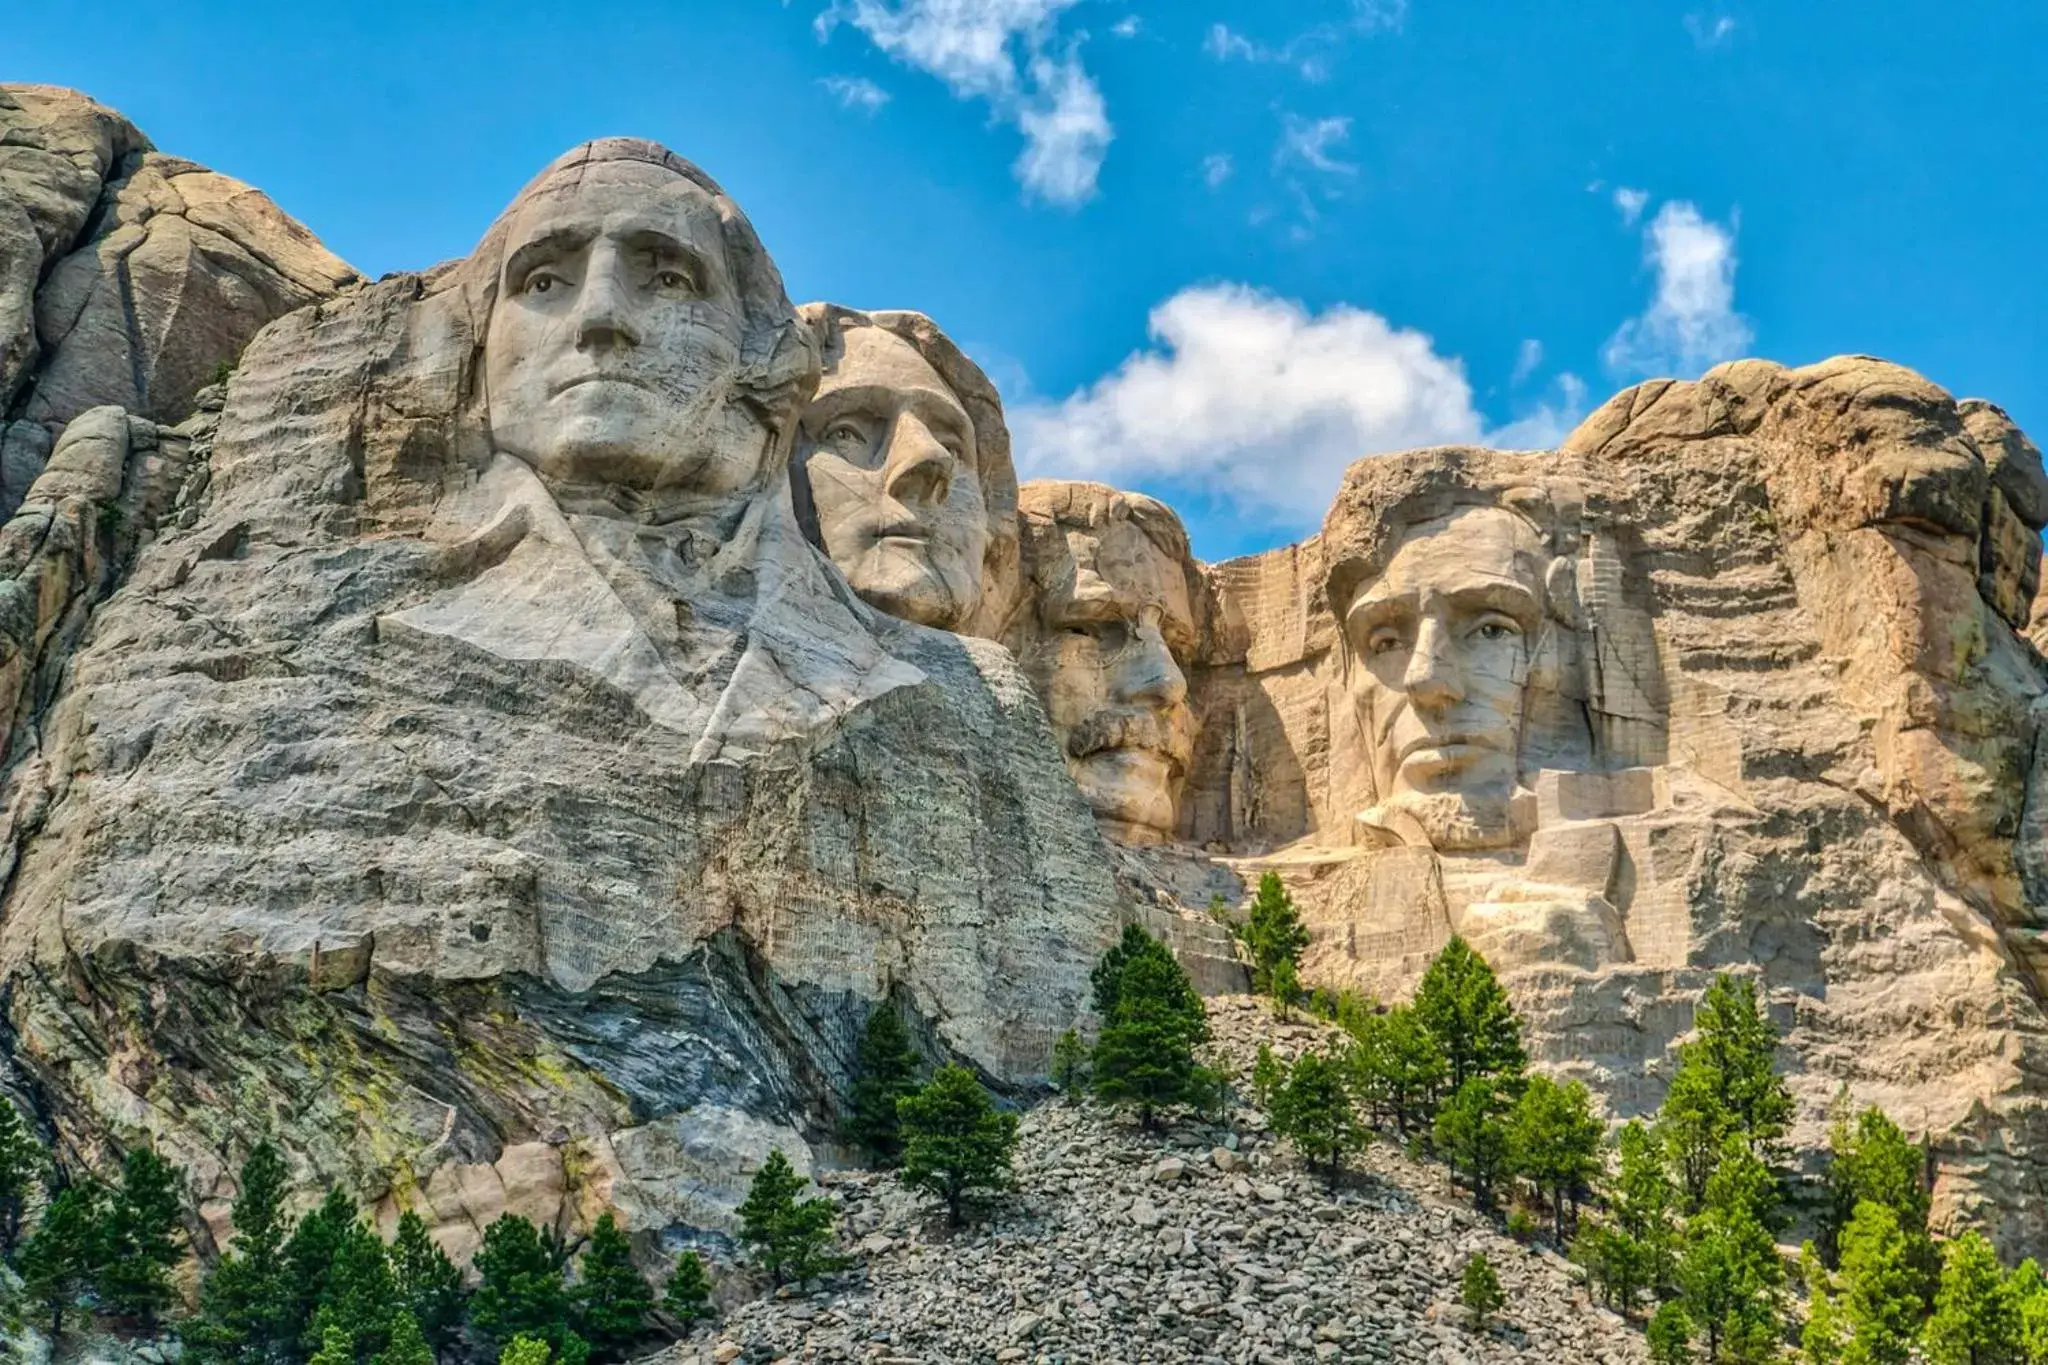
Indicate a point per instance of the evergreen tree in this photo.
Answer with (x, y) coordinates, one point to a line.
(335, 1348)
(2027, 1291)
(1397, 1068)
(1880, 1300)
(687, 1296)
(58, 1260)
(407, 1345)
(1871, 1160)
(1974, 1320)
(1471, 1137)
(885, 1072)
(139, 1239)
(1464, 1009)
(1272, 933)
(612, 1298)
(1730, 1277)
(21, 1163)
(1146, 1054)
(1669, 1335)
(1821, 1339)
(1313, 1109)
(1693, 1126)
(520, 1290)
(789, 1236)
(1106, 978)
(524, 1350)
(1479, 1289)
(1554, 1142)
(1641, 1202)
(956, 1145)
(1726, 1085)
(1070, 1064)
(1284, 985)
(1267, 1074)
(246, 1305)
(309, 1260)
(360, 1295)
(428, 1285)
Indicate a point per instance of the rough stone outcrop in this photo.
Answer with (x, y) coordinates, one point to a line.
(1775, 713)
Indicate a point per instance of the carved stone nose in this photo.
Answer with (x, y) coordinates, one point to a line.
(917, 469)
(1148, 674)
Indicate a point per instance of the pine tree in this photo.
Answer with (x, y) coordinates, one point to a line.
(246, 1304)
(1669, 1335)
(1872, 1161)
(1730, 1276)
(139, 1239)
(1554, 1142)
(1313, 1109)
(790, 1237)
(1880, 1298)
(1726, 1085)
(885, 1072)
(687, 1296)
(1107, 975)
(1641, 1201)
(1146, 1054)
(1284, 985)
(1267, 1074)
(1974, 1320)
(1397, 1068)
(360, 1294)
(1471, 1137)
(21, 1163)
(407, 1344)
(1070, 1064)
(309, 1260)
(1822, 1338)
(428, 1285)
(1272, 934)
(58, 1260)
(2027, 1290)
(1479, 1289)
(612, 1298)
(1462, 1006)
(956, 1145)
(524, 1350)
(520, 1290)
(336, 1348)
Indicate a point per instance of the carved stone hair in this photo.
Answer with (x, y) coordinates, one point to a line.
(778, 359)
(1048, 508)
(829, 323)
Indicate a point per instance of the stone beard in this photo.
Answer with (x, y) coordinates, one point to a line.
(1110, 623)
(1440, 648)
(902, 469)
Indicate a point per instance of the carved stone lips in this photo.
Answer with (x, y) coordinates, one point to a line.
(576, 381)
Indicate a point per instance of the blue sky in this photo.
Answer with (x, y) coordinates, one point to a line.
(1209, 249)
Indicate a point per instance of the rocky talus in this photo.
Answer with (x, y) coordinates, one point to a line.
(1210, 1243)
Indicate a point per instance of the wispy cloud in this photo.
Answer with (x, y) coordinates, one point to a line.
(1709, 31)
(1251, 398)
(1313, 49)
(1127, 27)
(1217, 168)
(856, 92)
(1309, 142)
(1009, 54)
(1631, 204)
(1691, 322)
(1528, 357)
(1223, 44)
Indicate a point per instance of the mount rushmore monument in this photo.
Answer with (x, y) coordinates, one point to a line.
(506, 738)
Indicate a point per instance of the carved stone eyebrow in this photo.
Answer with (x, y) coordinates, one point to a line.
(939, 411)
(551, 245)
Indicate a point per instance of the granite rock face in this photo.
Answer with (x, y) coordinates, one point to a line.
(1766, 704)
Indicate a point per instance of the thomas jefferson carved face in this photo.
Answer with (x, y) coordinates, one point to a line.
(1441, 646)
(889, 453)
(1104, 643)
(616, 334)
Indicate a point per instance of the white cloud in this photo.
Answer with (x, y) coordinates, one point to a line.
(1631, 203)
(1544, 426)
(1216, 168)
(1001, 51)
(1691, 322)
(1127, 27)
(1222, 44)
(1709, 33)
(1527, 357)
(1313, 49)
(1254, 399)
(856, 92)
(1310, 143)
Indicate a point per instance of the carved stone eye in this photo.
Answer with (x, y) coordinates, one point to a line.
(671, 279)
(540, 284)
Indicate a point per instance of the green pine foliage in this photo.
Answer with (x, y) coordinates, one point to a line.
(1471, 1136)
(309, 1261)
(1479, 1289)
(957, 1146)
(140, 1241)
(1313, 1109)
(1106, 977)
(525, 1350)
(885, 1072)
(246, 1305)
(1975, 1321)
(1267, 1073)
(1880, 1288)
(1824, 1335)
(612, 1299)
(1669, 1335)
(1070, 1064)
(1730, 1276)
(428, 1285)
(1272, 934)
(791, 1238)
(1554, 1142)
(407, 1344)
(336, 1348)
(1631, 1252)
(60, 1256)
(687, 1296)
(1397, 1069)
(2027, 1290)
(1284, 985)
(520, 1289)
(21, 1164)
(1462, 1006)
(1726, 1085)
(1871, 1160)
(1145, 1056)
